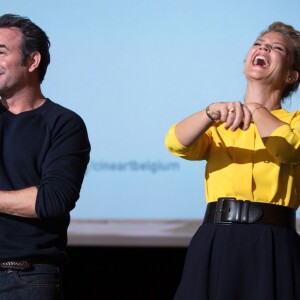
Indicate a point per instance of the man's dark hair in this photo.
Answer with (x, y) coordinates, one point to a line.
(34, 39)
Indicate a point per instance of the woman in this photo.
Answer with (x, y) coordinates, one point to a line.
(247, 247)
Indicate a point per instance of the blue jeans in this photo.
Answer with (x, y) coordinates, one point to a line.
(41, 282)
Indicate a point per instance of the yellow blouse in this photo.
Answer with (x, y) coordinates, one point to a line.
(239, 164)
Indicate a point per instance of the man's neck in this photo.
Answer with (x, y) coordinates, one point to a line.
(24, 101)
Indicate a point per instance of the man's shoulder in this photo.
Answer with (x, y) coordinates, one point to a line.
(58, 116)
(53, 109)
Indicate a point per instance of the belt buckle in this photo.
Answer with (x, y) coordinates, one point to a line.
(222, 213)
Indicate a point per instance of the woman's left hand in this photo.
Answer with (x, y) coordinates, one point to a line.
(234, 114)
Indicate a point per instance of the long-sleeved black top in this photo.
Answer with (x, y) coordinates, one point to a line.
(47, 147)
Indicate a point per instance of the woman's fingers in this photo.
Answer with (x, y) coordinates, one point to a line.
(234, 114)
(247, 118)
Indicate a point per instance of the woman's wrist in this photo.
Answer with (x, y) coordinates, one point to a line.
(254, 106)
(213, 116)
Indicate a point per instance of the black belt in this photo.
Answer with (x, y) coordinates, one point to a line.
(23, 264)
(230, 210)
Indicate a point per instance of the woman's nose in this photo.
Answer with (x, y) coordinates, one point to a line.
(265, 47)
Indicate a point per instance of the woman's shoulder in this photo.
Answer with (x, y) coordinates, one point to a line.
(286, 116)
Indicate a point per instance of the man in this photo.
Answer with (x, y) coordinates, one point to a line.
(44, 152)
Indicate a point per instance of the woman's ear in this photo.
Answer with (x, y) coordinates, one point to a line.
(292, 77)
(33, 61)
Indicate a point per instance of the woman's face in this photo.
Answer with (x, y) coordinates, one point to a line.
(270, 60)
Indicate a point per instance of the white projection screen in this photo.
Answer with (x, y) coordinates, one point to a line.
(132, 68)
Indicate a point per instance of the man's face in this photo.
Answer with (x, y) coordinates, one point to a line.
(13, 75)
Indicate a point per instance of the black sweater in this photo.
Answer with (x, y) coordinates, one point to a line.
(47, 147)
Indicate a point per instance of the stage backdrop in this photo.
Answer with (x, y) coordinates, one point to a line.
(132, 68)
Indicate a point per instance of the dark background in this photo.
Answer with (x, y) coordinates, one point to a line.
(123, 273)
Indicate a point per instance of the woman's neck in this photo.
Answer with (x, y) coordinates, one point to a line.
(263, 95)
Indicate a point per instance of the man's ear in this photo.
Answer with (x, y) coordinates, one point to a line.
(33, 61)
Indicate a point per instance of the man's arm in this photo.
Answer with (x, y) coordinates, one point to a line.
(19, 203)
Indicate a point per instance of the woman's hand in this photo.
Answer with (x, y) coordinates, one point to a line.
(234, 114)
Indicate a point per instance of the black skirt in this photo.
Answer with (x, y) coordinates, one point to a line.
(242, 262)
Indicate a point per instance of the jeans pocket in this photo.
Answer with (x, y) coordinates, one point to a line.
(41, 275)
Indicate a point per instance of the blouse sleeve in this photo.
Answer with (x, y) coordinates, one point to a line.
(284, 142)
(197, 151)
